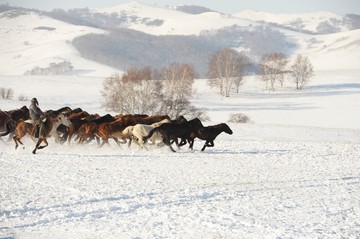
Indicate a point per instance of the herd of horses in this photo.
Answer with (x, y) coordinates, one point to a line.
(66, 125)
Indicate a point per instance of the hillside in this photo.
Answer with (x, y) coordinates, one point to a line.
(35, 39)
(29, 39)
(317, 22)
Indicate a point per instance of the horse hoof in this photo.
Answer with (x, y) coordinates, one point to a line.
(34, 152)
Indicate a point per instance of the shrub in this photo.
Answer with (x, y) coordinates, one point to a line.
(6, 94)
(23, 98)
(239, 118)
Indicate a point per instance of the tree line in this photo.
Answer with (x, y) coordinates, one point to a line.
(227, 69)
(168, 91)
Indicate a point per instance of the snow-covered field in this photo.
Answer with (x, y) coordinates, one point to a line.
(294, 172)
(274, 178)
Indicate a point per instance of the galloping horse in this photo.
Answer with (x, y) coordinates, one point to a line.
(51, 122)
(139, 131)
(209, 134)
(8, 120)
(171, 132)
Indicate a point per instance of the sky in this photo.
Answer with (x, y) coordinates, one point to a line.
(340, 7)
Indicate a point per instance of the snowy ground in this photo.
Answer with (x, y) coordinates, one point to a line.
(267, 180)
(242, 188)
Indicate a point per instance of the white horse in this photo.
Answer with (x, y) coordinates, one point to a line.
(139, 131)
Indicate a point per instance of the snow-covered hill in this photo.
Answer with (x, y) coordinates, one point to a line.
(173, 22)
(302, 22)
(29, 39)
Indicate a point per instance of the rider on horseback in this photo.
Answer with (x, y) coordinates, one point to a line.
(36, 115)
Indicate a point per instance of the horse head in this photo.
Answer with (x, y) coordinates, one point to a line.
(226, 128)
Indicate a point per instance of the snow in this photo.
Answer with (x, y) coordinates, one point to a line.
(174, 22)
(24, 46)
(275, 177)
(310, 21)
(294, 172)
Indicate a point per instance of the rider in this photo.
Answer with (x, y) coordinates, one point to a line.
(36, 115)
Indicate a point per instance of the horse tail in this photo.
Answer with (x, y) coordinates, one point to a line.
(9, 128)
(144, 139)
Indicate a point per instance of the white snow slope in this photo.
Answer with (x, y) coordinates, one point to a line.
(294, 172)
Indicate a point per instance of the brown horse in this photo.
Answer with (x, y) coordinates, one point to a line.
(115, 129)
(77, 119)
(51, 122)
(87, 130)
(209, 134)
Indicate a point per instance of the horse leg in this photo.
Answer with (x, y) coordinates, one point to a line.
(143, 146)
(104, 141)
(182, 142)
(64, 137)
(208, 144)
(11, 135)
(137, 141)
(16, 140)
(97, 139)
(191, 143)
(116, 141)
(43, 146)
(37, 145)
(167, 142)
(129, 143)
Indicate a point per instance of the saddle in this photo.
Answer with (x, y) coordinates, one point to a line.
(37, 126)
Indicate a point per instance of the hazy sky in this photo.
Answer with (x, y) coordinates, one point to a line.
(340, 7)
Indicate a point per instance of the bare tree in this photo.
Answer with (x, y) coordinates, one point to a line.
(178, 80)
(301, 71)
(135, 92)
(177, 88)
(273, 69)
(146, 91)
(226, 68)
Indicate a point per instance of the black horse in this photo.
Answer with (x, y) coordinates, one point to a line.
(209, 134)
(171, 132)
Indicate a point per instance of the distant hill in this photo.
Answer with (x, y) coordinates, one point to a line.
(99, 41)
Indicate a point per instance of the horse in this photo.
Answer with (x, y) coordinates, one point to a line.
(77, 118)
(51, 122)
(19, 114)
(115, 129)
(209, 134)
(86, 131)
(8, 120)
(62, 129)
(171, 132)
(6, 123)
(139, 131)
